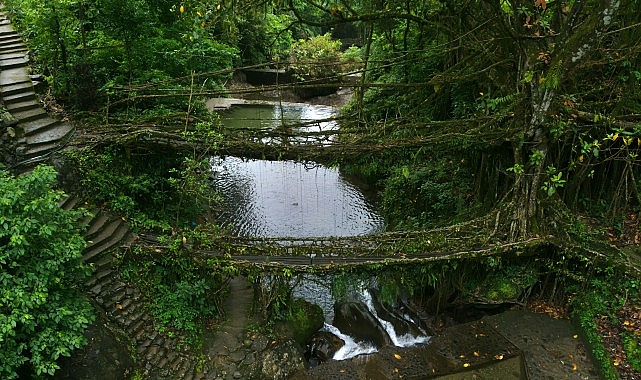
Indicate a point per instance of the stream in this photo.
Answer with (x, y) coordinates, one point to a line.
(287, 198)
(302, 199)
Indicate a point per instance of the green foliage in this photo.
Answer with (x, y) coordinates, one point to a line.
(152, 189)
(588, 307)
(424, 196)
(83, 46)
(42, 314)
(600, 302)
(183, 293)
(316, 58)
(183, 305)
(305, 319)
(632, 347)
(554, 181)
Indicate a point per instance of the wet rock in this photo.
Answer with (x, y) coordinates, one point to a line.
(306, 319)
(401, 325)
(322, 347)
(279, 361)
(353, 318)
(7, 120)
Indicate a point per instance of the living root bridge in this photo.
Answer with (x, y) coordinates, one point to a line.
(289, 142)
(340, 254)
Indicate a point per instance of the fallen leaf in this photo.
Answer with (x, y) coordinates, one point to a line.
(476, 354)
(574, 367)
(466, 365)
(397, 356)
(498, 357)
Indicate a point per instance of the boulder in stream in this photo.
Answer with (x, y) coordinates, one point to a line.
(277, 361)
(321, 347)
(353, 318)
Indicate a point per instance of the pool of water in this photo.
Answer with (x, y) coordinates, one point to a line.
(291, 199)
(287, 198)
(295, 116)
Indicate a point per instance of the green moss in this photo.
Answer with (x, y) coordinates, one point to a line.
(306, 318)
(632, 348)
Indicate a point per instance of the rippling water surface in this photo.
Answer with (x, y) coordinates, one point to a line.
(286, 198)
(291, 199)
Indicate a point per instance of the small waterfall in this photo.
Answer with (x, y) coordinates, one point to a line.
(405, 340)
(399, 327)
(351, 347)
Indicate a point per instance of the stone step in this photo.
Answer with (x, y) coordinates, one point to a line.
(105, 244)
(104, 262)
(115, 298)
(97, 224)
(33, 127)
(33, 152)
(108, 230)
(8, 33)
(10, 37)
(14, 75)
(19, 97)
(11, 46)
(30, 115)
(16, 49)
(186, 367)
(6, 53)
(6, 29)
(134, 322)
(24, 105)
(86, 220)
(107, 286)
(69, 202)
(13, 62)
(16, 88)
(53, 132)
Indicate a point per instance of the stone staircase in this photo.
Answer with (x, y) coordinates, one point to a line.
(37, 134)
(158, 355)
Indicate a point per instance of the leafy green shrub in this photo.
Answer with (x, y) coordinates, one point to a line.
(181, 291)
(316, 58)
(351, 59)
(183, 305)
(587, 309)
(418, 197)
(42, 314)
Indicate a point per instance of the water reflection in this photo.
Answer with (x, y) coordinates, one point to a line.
(291, 199)
(292, 118)
(302, 117)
